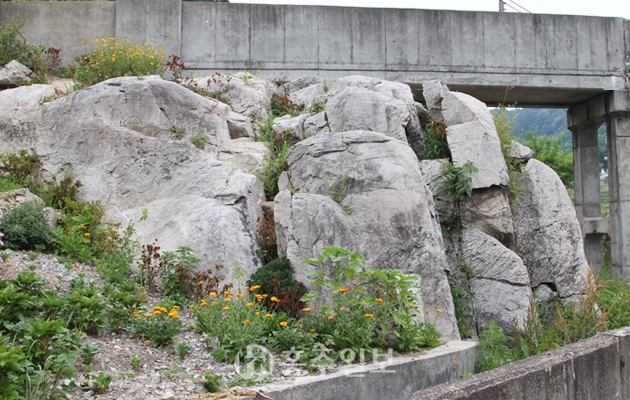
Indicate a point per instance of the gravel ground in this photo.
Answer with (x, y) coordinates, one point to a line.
(162, 374)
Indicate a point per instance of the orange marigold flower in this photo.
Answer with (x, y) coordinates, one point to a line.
(257, 313)
(86, 234)
(267, 315)
(227, 299)
(82, 227)
(227, 293)
(255, 287)
(200, 283)
(342, 308)
(104, 244)
(249, 304)
(438, 310)
(241, 295)
(283, 323)
(275, 299)
(344, 290)
(379, 300)
(226, 308)
(331, 317)
(391, 294)
(306, 310)
(368, 315)
(204, 302)
(247, 321)
(213, 294)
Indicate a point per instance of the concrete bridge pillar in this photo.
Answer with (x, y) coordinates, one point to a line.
(587, 187)
(583, 120)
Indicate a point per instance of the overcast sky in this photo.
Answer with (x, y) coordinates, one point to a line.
(604, 8)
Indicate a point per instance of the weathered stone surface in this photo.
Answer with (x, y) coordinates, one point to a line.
(189, 195)
(520, 152)
(445, 206)
(239, 126)
(14, 74)
(548, 232)
(434, 92)
(499, 279)
(316, 124)
(300, 83)
(471, 134)
(362, 109)
(247, 94)
(389, 220)
(244, 154)
(292, 126)
(489, 211)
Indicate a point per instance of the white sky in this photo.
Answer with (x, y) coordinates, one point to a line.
(604, 8)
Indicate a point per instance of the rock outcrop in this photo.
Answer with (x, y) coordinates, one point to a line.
(14, 74)
(385, 213)
(549, 235)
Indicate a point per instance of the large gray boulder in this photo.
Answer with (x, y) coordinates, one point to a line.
(189, 195)
(14, 74)
(548, 232)
(386, 213)
(363, 109)
(247, 94)
(471, 134)
(244, 154)
(499, 280)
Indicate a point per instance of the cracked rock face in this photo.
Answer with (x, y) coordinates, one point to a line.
(189, 195)
(498, 278)
(548, 232)
(386, 213)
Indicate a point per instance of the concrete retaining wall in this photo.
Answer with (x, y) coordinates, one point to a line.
(400, 378)
(595, 369)
(469, 50)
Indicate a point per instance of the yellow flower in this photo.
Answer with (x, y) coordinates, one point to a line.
(241, 295)
(213, 294)
(136, 315)
(115, 270)
(306, 310)
(257, 313)
(82, 227)
(275, 299)
(312, 330)
(255, 287)
(86, 234)
(267, 315)
(247, 321)
(226, 308)
(227, 293)
(203, 302)
(331, 317)
(438, 310)
(378, 300)
(227, 299)
(249, 304)
(342, 308)
(368, 315)
(27, 43)
(284, 323)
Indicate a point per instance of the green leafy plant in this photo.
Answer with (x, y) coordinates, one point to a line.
(102, 381)
(492, 343)
(549, 151)
(135, 362)
(278, 145)
(160, 326)
(435, 143)
(182, 349)
(178, 131)
(264, 277)
(212, 382)
(110, 57)
(25, 227)
(13, 46)
(457, 182)
(339, 188)
(199, 140)
(86, 307)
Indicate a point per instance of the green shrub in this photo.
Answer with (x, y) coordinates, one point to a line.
(21, 168)
(199, 141)
(266, 274)
(457, 182)
(281, 105)
(435, 143)
(13, 46)
(109, 57)
(278, 145)
(25, 227)
(494, 352)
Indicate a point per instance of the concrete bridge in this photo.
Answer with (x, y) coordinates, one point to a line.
(582, 63)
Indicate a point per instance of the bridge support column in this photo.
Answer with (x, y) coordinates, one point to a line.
(583, 120)
(587, 188)
(618, 130)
